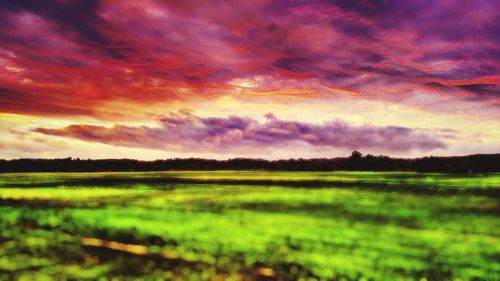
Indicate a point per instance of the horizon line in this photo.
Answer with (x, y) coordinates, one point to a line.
(243, 158)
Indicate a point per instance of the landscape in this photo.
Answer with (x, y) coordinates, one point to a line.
(302, 226)
(269, 140)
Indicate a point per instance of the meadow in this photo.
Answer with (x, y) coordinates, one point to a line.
(249, 225)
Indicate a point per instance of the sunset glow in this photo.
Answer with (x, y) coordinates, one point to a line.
(262, 79)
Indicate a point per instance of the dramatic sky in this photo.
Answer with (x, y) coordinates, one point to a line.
(261, 78)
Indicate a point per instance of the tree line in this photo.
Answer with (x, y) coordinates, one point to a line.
(478, 163)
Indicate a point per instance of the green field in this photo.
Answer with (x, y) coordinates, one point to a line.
(231, 225)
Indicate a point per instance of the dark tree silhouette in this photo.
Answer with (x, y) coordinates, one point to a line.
(479, 163)
(356, 155)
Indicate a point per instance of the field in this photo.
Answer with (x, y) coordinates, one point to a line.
(243, 225)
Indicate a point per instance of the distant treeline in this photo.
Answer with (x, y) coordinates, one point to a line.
(479, 163)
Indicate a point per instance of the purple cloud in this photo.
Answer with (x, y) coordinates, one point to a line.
(148, 50)
(187, 132)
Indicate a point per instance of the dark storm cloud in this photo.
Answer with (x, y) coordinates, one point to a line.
(482, 89)
(75, 17)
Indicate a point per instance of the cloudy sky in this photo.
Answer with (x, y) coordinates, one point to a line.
(268, 79)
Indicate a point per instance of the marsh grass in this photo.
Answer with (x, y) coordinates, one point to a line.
(244, 225)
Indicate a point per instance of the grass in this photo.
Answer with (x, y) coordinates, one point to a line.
(250, 225)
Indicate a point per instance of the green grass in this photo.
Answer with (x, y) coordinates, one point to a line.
(229, 225)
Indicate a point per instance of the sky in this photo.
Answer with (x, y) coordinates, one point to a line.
(255, 79)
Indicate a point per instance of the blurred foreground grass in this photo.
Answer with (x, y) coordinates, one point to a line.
(232, 225)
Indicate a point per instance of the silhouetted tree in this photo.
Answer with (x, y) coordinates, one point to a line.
(356, 155)
(479, 163)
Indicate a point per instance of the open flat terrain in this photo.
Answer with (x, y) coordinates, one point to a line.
(246, 225)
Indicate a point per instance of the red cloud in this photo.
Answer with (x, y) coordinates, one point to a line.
(149, 50)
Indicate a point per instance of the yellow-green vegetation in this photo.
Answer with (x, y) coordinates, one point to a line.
(246, 225)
